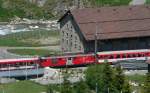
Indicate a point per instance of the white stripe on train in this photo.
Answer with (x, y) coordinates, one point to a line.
(122, 59)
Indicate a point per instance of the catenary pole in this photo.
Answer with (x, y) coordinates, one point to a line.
(96, 85)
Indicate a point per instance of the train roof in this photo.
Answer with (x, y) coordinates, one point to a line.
(124, 51)
(66, 56)
(17, 60)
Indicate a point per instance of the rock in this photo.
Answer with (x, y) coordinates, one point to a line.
(7, 80)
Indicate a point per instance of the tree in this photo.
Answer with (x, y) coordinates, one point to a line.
(120, 81)
(67, 87)
(94, 75)
(146, 87)
(126, 88)
(103, 76)
(81, 87)
(50, 89)
(107, 79)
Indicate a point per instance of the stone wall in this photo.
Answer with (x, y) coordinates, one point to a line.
(70, 40)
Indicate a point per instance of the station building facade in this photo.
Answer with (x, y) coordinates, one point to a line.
(114, 28)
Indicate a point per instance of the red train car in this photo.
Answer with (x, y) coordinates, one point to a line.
(87, 59)
(23, 67)
(68, 61)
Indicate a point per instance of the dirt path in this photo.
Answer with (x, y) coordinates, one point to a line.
(57, 48)
(4, 54)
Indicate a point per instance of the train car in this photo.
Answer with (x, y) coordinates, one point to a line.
(68, 61)
(35, 66)
(127, 55)
(86, 59)
(23, 67)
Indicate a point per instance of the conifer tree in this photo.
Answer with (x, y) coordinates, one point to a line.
(146, 87)
(82, 87)
(121, 83)
(108, 79)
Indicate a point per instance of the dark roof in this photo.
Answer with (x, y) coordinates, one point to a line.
(113, 22)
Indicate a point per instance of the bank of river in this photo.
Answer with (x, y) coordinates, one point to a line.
(27, 25)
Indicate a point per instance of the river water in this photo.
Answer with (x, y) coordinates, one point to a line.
(13, 28)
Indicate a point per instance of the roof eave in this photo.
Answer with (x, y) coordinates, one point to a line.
(68, 12)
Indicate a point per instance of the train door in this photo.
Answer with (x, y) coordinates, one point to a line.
(69, 61)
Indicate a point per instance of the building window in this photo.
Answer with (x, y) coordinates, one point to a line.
(62, 40)
(75, 46)
(71, 44)
(80, 48)
(71, 27)
(76, 37)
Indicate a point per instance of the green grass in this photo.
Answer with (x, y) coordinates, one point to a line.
(136, 78)
(110, 2)
(24, 9)
(22, 87)
(29, 38)
(147, 1)
(40, 52)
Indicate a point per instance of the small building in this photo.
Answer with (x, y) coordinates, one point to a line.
(115, 28)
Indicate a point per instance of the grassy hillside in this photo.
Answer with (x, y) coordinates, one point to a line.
(26, 9)
(147, 1)
(22, 87)
(32, 38)
(109, 2)
(136, 78)
(39, 52)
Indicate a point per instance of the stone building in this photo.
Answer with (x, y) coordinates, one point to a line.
(116, 28)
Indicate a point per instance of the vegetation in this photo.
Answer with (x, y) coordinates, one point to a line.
(147, 1)
(107, 79)
(100, 78)
(96, 78)
(31, 38)
(22, 87)
(136, 78)
(146, 87)
(24, 8)
(40, 52)
(98, 3)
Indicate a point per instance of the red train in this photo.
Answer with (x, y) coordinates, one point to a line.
(34, 66)
(21, 67)
(87, 59)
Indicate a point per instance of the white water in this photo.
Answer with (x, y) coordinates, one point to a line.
(7, 29)
(137, 2)
(46, 25)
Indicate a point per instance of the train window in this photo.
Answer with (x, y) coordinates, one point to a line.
(123, 55)
(54, 61)
(142, 54)
(148, 54)
(130, 55)
(101, 56)
(135, 55)
(104, 57)
(69, 58)
(117, 56)
(110, 57)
